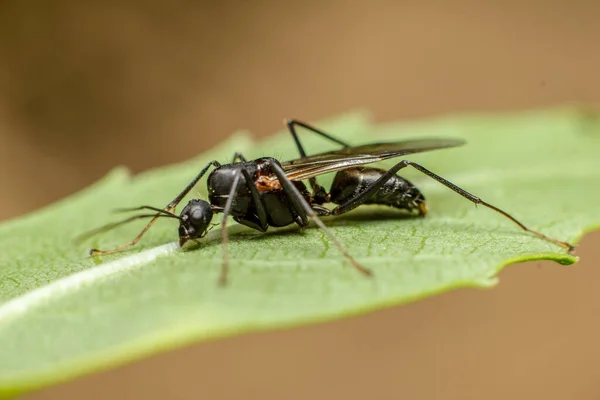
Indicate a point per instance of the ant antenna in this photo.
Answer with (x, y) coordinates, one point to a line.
(158, 210)
(112, 225)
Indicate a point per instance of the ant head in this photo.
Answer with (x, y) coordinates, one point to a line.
(195, 219)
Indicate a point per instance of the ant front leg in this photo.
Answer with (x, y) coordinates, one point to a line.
(304, 210)
(169, 209)
(224, 235)
(364, 195)
(171, 206)
(260, 210)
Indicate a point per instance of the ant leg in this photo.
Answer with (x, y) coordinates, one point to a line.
(260, 209)
(151, 208)
(238, 156)
(256, 200)
(129, 244)
(291, 123)
(224, 236)
(304, 210)
(363, 196)
(318, 190)
(169, 208)
(112, 225)
(321, 211)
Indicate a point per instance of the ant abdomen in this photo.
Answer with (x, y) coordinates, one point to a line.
(396, 192)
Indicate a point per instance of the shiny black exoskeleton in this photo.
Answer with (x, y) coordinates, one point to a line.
(194, 220)
(396, 192)
(261, 201)
(251, 193)
(279, 210)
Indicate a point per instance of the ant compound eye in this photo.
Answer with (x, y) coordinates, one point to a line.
(201, 212)
(197, 215)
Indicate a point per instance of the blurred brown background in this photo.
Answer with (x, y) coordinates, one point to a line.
(86, 86)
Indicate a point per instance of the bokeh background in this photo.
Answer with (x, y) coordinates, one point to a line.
(86, 86)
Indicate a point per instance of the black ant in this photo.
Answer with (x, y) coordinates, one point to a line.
(265, 192)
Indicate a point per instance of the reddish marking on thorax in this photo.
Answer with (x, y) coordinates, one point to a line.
(267, 183)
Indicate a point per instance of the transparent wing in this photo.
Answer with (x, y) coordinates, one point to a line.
(307, 167)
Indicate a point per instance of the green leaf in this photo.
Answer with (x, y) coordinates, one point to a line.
(63, 314)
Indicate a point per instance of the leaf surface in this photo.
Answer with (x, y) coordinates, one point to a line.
(63, 314)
